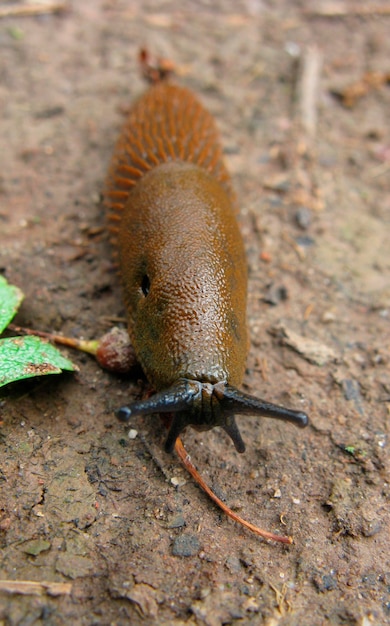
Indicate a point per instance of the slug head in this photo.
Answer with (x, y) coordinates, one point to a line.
(204, 406)
(184, 277)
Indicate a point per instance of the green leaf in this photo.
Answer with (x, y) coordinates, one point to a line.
(26, 357)
(35, 546)
(10, 299)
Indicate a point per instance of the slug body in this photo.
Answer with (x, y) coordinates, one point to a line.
(183, 267)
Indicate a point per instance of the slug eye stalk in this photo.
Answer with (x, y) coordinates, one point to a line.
(204, 406)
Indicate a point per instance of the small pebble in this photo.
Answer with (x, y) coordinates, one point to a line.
(371, 528)
(351, 389)
(303, 217)
(275, 294)
(328, 317)
(304, 241)
(329, 582)
(325, 582)
(233, 564)
(177, 521)
(178, 482)
(186, 545)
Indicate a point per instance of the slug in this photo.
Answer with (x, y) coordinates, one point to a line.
(182, 262)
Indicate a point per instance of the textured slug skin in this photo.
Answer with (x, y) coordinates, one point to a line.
(181, 254)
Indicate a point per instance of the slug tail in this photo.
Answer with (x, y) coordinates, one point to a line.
(166, 124)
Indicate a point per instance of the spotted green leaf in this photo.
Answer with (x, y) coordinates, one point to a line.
(26, 357)
(10, 299)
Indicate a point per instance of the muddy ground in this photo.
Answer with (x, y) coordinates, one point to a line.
(111, 517)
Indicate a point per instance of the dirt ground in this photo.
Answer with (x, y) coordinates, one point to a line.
(113, 518)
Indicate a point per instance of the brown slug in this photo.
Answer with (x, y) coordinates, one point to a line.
(183, 266)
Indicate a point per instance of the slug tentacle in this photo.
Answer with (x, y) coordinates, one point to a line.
(176, 398)
(204, 406)
(237, 401)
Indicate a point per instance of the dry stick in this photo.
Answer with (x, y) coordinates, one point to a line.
(184, 457)
(30, 587)
(339, 9)
(309, 87)
(26, 10)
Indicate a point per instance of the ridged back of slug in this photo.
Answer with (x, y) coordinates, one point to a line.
(166, 124)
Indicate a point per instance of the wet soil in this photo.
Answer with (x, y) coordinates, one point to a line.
(115, 519)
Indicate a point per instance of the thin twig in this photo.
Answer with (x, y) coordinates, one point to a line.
(84, 345)
(184, 457)
(26, 10)
(340, 9)
(30, 587)
(309, 87)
